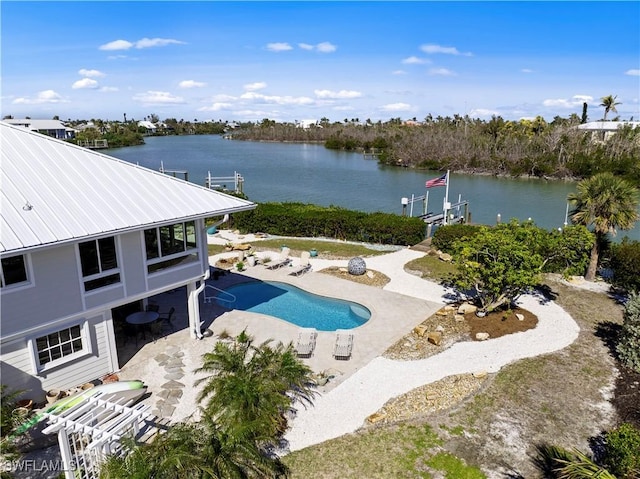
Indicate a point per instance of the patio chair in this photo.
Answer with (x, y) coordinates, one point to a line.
(344, 344)
(283, 260)
(166, 318)
(306, 342)
(304, 265)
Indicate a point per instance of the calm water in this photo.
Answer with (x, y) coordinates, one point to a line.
(297, 306)
(312, 174)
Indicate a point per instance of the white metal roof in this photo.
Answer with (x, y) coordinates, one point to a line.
(52, 191)
(607, 125)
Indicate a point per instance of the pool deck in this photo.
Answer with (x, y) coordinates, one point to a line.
(405, 302)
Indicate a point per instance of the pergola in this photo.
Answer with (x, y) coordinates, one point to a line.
(92, 429)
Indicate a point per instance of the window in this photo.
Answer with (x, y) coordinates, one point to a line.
(170, 245)
(58, 345)
(99, 263)
(14, 271)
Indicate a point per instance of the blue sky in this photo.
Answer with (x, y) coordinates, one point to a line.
(287, 61)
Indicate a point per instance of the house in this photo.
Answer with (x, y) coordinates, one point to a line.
(148, 126)
(54, 128)
(81, 235)
(605, 129)
(308, 124)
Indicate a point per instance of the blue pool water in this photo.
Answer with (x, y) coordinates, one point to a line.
(296, 306)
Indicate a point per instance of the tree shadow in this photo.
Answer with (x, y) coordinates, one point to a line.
(609, 333)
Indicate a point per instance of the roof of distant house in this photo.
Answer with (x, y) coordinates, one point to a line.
(38, 124)
(607, 125)
(53, 192)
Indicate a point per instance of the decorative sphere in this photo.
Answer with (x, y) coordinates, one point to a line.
(357, 266)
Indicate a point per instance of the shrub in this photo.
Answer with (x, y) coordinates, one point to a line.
(625, 262)
(627, 347)
(445, 236)
(623, 451)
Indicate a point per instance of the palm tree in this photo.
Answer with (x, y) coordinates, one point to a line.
(250, 388)
(607, 203)
(192, 451)
(609, 103)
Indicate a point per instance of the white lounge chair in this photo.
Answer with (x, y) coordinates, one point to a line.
(283, 260)
(306, 342)
(304, 265)
(344, 344)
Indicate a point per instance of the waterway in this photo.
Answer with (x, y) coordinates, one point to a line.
(309, 173)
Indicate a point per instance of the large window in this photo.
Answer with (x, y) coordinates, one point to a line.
(56, 348)
(170, 245)
(13, 271)
(99, 263)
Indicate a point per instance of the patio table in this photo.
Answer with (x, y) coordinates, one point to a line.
(141, 318)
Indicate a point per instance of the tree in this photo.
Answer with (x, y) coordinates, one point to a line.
(192, 451)
(606, 203)
(250, 388)
(609, 103)
(497, 264)
(583, 119)
(627, 347)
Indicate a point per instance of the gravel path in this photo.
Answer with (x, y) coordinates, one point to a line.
(345, 408)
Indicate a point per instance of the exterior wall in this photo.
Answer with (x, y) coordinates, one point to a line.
(18, 368)
(55, 300)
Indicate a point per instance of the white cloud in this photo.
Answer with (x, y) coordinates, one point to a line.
(323, 47)
(279, 47)
(413, 60)
(431, 49)
(143, 43)
(278, 100)
(191, 84)
(216, 107)
(260, 85)
(116, 45)
(85, 83)
(223, 98)
(482, 113)
(157, 42)
(90, 73)
(398, 72)
(45, 96)
(158, 98)
(326, 47)
(337, 94)
(445, 72)
(572, 102)
(633, 72)
(396, 107)
(526, 70)
(109, 88)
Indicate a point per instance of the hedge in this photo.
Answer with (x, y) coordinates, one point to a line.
(313, 221)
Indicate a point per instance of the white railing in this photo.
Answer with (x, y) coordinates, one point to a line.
(230, 298)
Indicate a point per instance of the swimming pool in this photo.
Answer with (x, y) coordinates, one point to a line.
(295, 305)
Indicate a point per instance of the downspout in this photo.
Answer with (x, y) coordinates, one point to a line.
(207, 273)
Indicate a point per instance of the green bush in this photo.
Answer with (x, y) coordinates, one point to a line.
(312, 221)
(627, 347)
(623, 452)
(625, 262)
(445, 236)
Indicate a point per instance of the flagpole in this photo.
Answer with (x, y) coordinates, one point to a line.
(446, 202)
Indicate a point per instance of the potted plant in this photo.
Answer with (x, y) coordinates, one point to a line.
(240, 266)
(251, 258)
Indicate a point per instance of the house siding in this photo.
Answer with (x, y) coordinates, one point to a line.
(17, 366)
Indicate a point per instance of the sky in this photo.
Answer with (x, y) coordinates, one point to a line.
(290, 61)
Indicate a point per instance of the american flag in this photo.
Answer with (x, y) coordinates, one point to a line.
(441, 181)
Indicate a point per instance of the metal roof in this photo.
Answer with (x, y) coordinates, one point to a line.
(607, 125)
(52, 191)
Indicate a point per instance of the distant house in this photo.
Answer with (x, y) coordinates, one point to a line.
(605, 129)
(82, 235)
(53, 128)
(148, 126)
(308, 124)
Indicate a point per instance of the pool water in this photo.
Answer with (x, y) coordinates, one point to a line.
(295, 305)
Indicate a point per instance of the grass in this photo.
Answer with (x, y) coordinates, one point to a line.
(326, 249)
(432, 267)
